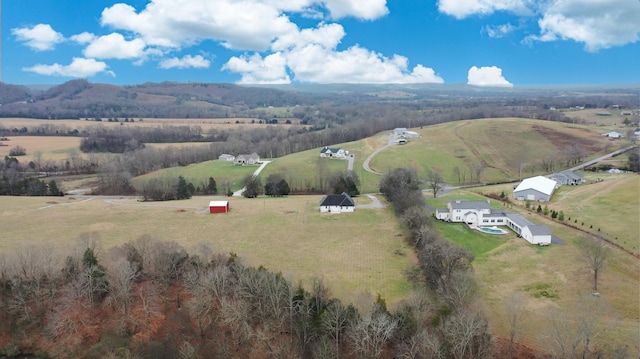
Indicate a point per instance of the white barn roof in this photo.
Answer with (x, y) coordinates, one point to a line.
(218, 203)
(539, 183)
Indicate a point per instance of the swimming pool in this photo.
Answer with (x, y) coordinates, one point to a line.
(492, 230)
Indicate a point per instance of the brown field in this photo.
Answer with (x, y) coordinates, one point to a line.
(52, 148)
(207, 124)
(354, 253)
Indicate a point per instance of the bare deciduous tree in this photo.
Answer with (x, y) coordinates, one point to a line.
(595, 253)
(513, 306)
(435, 181)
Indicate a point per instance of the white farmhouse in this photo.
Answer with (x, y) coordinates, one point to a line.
(327, 152)
(337, 203)
(537, 188)
(403, 132)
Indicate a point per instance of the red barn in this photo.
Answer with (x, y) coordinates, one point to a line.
(218, 206)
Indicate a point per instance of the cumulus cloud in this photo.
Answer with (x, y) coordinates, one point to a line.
(40, 37)
(596, 24)
(312, 56)
(79, 67)
(465, 8)
(83, 38)
(487, 76)
(257, 70)
(239, 25)
(363, 9)
(115, 46)
(188, 61)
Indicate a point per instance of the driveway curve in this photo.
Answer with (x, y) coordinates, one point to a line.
(264, 164)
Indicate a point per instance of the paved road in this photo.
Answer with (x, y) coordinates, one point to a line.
(592, 162)
(264, 164)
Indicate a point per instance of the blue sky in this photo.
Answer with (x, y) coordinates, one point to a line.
(478, 42)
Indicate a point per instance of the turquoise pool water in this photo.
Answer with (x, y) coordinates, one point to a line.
(492, 230)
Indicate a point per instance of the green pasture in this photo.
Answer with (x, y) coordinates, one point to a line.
(199, 174)
(354, 253)
(506, 149)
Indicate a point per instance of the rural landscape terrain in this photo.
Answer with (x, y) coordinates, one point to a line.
(109, 249)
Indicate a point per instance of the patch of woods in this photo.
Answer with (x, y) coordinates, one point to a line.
(152, 299)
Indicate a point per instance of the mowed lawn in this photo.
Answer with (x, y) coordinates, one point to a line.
(354, 253)
(550, 278)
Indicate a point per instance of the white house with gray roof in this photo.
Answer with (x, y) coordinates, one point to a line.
(480, 214)
(537, 188)
(568, 178)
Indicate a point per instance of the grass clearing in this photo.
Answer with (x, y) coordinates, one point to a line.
(354, 253)
(199, 174)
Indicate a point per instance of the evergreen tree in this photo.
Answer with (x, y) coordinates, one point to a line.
(282, 188)
(53, 189)
(183, 189)
(212, 187)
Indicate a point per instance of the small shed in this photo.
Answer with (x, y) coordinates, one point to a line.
(218, 206)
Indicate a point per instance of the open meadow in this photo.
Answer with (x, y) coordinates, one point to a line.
(551, 279)
(460, 150)
(354, 253)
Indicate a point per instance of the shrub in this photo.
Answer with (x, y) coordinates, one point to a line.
(18, 151)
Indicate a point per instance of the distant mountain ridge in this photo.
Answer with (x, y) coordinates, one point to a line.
(83, 99)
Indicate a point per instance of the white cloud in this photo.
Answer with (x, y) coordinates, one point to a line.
(83, 38)
(187, 61)
(79, 67)
(40, 37)
(241, 25)
(314, 63)
(499, 31)
(256, 70)
(363, 9)
(465, 8)
(598, 24)
(115, 46)
(487, 76)
(325, 35)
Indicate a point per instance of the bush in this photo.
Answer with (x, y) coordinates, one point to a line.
(18, 151)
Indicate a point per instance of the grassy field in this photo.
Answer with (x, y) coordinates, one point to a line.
(199, 174)
(354, 253)
(550, 278)
(467, 145)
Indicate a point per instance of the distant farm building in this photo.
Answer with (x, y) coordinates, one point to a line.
(568, 178)
(337, 203)
(327, 152)
(226, 157)
(403, 132)
(218, 206)
(251, 159)
(537, 188)
(613, 135)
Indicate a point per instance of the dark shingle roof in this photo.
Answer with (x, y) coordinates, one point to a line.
(337, 200)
